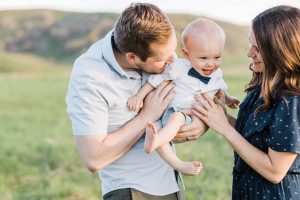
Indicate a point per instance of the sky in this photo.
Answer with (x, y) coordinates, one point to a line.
(234, 11)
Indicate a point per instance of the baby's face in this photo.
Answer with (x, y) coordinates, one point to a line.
(205, 55)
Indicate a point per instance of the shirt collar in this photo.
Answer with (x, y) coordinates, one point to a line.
(109, 57)
(193, 73)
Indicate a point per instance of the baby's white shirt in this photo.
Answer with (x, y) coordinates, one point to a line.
(186, 85)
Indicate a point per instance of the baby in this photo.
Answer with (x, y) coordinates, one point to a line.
(203, 44)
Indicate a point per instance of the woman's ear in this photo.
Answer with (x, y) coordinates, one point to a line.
(185, 53)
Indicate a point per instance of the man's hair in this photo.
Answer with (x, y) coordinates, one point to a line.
(277, 33)
(138, 26)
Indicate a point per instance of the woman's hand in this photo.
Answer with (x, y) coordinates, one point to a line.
(211, 112)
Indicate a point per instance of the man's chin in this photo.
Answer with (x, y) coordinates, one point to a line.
(154, 72)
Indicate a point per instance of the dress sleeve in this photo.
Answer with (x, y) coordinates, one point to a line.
(285, 128)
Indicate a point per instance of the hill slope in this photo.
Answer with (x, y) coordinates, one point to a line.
(21, 64)
(62, 36)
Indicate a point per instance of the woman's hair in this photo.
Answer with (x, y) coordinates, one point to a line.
(138, 26)
(277, 33)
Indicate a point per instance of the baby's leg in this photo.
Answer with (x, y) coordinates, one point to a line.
(155, 138)
(186, 168)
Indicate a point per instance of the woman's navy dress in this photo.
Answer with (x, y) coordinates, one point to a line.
(278, 129)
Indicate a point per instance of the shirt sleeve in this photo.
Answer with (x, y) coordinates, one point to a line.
(156, 79)
(223, 86)
(86, 107)
(285, 128)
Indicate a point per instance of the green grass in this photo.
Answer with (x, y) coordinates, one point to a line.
(38, 155)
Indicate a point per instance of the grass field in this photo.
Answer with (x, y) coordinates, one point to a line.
(38, 156)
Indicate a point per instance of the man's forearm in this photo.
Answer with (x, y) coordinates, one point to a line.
(99, 151)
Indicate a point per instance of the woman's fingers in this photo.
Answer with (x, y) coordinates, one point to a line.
(209, 99)
(203, 102)
(219, 104)
(199, 111)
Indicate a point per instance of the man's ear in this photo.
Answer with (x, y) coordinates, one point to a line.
(185, 53)
(132, 58)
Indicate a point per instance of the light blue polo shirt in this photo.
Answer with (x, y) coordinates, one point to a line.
(97, 104)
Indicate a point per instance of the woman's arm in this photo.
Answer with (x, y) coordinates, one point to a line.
(272, 165)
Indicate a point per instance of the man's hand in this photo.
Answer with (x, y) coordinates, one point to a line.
(191, 131)
(157, 101)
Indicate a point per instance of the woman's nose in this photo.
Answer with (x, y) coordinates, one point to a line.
(251, 52)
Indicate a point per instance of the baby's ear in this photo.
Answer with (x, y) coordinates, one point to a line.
(185, 53)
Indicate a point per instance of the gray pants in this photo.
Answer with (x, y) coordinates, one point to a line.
(132, 194)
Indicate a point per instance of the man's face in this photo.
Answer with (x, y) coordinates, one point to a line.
(162, 55)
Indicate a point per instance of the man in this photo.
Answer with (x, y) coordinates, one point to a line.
(109, 136)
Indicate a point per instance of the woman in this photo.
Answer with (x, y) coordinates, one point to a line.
(266, 137)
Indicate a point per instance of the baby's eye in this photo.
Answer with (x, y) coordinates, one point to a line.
(203, 58)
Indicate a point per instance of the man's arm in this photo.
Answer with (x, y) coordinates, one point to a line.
(99, 151)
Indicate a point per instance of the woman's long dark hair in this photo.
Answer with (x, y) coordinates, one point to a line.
(277, 33)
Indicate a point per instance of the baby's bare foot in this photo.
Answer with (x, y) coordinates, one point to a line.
(151, 133)
(189, 168)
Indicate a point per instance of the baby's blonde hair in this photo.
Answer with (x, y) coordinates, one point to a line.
(200, 28)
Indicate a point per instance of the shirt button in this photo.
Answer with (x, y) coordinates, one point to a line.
(256, 123)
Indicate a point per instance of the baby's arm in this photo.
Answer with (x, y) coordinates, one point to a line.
(231, 102)
(135, 102)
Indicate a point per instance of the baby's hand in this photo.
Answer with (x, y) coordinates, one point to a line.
(232, 102)
(134, 103)
(221, 96)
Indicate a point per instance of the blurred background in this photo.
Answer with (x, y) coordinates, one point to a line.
(39, 43)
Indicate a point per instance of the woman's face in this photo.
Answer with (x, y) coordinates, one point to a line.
(254, 54)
